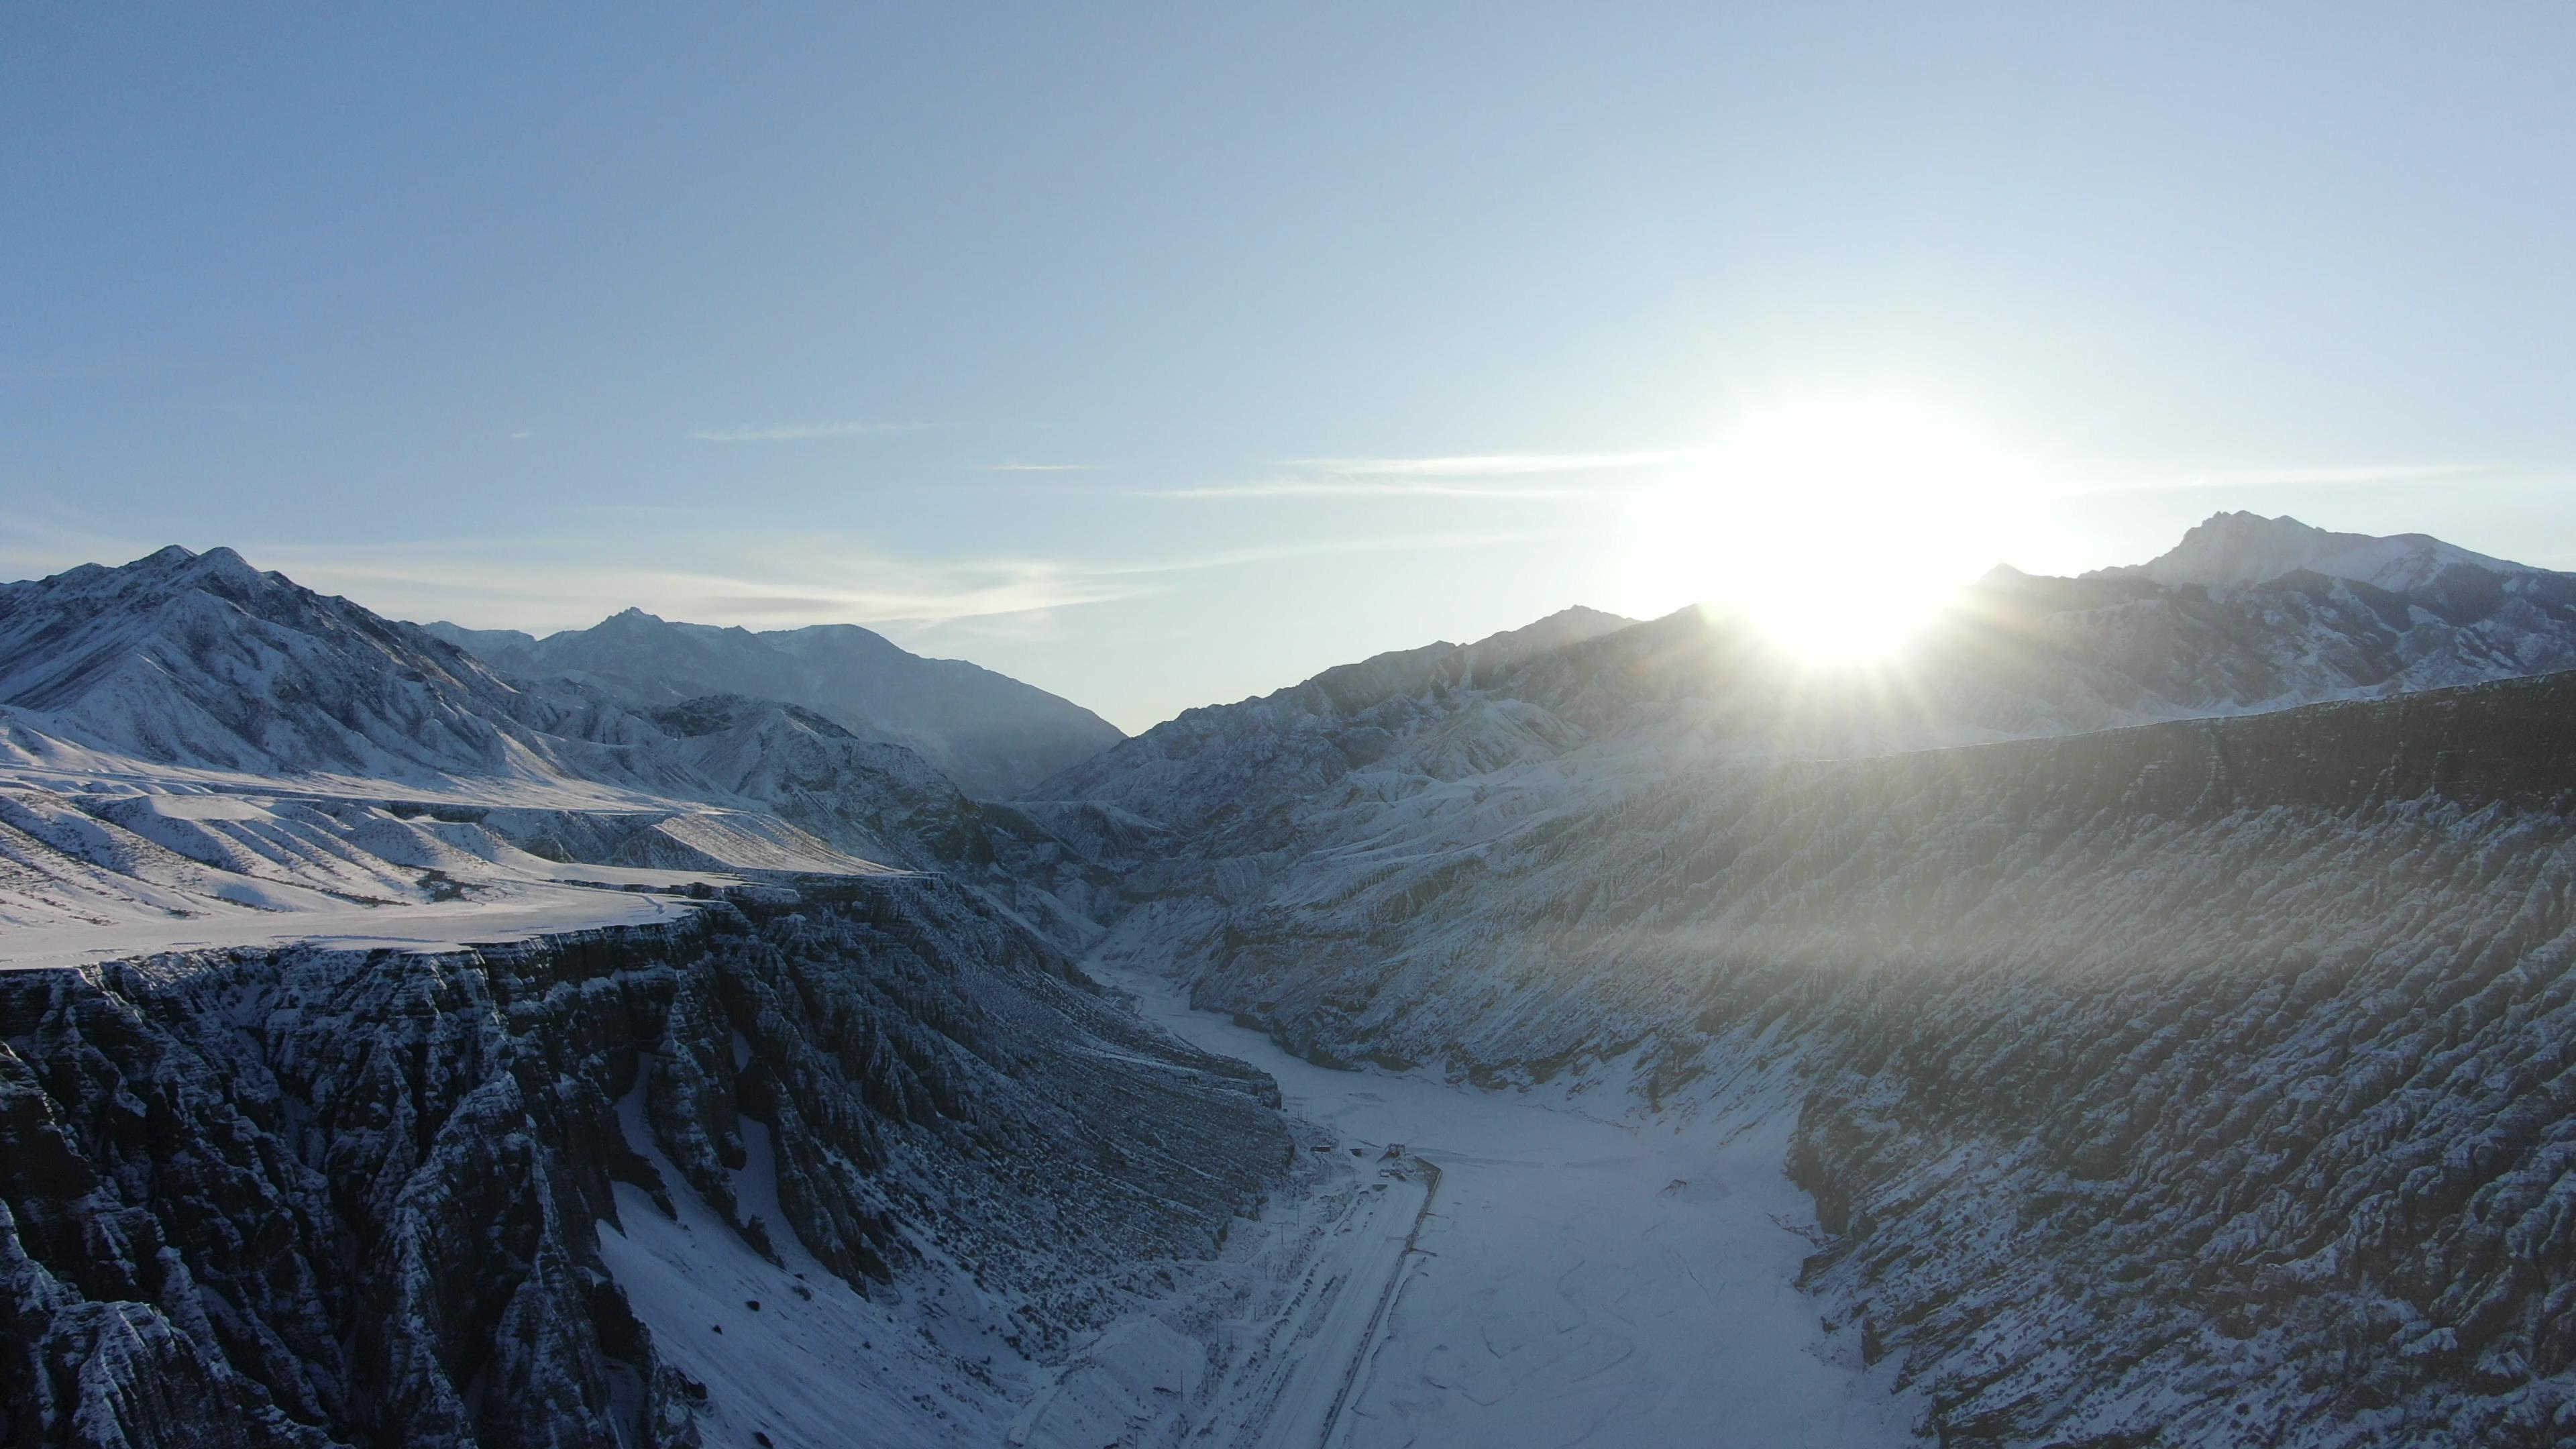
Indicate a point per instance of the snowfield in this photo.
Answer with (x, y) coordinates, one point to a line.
(1584, 1276)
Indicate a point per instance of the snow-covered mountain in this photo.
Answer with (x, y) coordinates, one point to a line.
(988, 732)
(2233, 549)
(2016, 656)
(200, 660)
(193, 751)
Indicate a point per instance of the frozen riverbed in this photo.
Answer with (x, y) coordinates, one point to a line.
(1577, 1280)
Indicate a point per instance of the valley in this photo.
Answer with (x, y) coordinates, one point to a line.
(1584, 1275)
(2147, 1016)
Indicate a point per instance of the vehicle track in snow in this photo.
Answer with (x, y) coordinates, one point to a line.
(1364, 1355)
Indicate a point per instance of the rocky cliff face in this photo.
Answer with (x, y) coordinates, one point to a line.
(307, 1198)
(2154, 1082)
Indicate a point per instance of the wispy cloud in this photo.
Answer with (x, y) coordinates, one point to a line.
(801, 432)
(1487, 476)
(1496, 465)
(1273, 553)
(1364, 488)
(2339, 475)
(1039, 467)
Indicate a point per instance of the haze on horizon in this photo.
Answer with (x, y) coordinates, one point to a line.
(1166, 356)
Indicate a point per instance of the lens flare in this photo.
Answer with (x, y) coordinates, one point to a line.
(1838, 528)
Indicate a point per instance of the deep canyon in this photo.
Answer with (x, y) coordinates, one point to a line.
(2144, 1018)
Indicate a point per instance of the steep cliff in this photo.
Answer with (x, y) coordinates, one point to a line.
(308, 1197)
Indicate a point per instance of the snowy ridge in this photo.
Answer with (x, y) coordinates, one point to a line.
(991, 734)
(1613, 708)
(2231, 550)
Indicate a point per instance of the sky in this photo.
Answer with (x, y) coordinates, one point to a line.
(1164, 355)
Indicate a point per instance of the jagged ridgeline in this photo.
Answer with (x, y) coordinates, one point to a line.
(321, 1197)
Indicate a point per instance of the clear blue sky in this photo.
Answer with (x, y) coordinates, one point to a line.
(1163, 355)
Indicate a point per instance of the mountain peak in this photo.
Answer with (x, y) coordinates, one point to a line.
(2236, 549)
(1570, 625)
(175, 560)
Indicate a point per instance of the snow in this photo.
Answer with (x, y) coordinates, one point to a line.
(138, 861)
(1579, 1279)
(523, 913)
(815, 1363)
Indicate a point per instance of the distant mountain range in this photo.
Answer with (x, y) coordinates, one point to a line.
(2243, 617)
(988, 732)
(122, 689)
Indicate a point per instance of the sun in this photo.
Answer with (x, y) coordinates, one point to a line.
(1838, 527)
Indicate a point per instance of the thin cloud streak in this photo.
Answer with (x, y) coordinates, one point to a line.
(1394, 543)
(801, 432)
(1039, 467)
(1471, 476)
(1497, 465)
(1353, 488)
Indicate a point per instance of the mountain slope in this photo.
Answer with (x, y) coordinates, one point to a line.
(2141, 1074)
(201, 660)
(183, 674)
(990, 733)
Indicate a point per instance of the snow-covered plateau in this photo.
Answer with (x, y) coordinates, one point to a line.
(2144, 1014)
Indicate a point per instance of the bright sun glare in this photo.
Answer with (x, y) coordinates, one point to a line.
(1838, 528)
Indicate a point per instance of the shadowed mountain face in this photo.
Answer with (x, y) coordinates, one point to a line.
(314, 1198)
(991, 734)
(2150, 1081)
